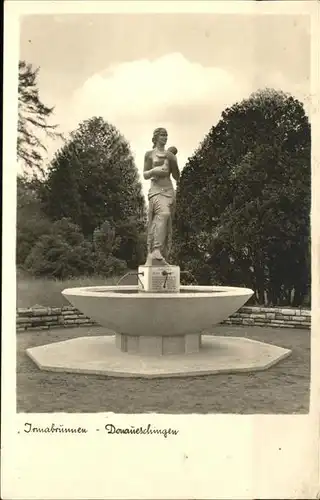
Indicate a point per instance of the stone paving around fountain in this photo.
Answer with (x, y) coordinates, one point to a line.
(99, 355)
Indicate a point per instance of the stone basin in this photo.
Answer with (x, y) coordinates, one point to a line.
(156, 323)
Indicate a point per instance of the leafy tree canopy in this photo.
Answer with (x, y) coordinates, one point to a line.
(93, 178)
(243, 200)
(31, 221)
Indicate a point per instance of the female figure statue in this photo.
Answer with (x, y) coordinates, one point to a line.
(159, 165)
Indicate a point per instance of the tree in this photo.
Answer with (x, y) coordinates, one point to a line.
(33, 116)
(92, 179)
(31, 221)
(244, 197)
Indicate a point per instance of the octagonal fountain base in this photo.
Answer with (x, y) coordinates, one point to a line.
(100, 356)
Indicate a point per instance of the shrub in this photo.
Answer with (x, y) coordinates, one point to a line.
(108, 266)
(61, 254)
(105, 242)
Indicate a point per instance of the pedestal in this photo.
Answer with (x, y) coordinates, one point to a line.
(159, 279)
(158, 345)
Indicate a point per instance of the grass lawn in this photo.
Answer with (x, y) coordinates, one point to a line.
(284, 388)
(47, 291)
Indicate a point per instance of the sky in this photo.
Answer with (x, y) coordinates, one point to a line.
(179, 71)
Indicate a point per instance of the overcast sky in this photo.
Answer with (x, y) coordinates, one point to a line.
(141, 71)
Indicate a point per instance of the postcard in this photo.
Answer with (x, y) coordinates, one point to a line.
(160, 250)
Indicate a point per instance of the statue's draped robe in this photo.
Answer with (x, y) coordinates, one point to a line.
(161, 198)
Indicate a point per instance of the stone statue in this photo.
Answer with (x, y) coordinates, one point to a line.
(159, 165)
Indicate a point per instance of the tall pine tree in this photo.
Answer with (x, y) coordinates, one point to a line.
(33, 120)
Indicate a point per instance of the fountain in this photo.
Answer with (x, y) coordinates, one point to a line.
(158, 325)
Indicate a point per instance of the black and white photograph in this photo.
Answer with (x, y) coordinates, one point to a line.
(163, 195)
(215, 246)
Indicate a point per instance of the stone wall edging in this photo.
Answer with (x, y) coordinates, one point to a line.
(43, 318)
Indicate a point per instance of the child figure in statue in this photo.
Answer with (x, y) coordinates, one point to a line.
(159, 165)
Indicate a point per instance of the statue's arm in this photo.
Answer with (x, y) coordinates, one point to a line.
(148, 171)
(175, 172)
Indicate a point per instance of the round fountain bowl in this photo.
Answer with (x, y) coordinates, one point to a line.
(158, 323)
